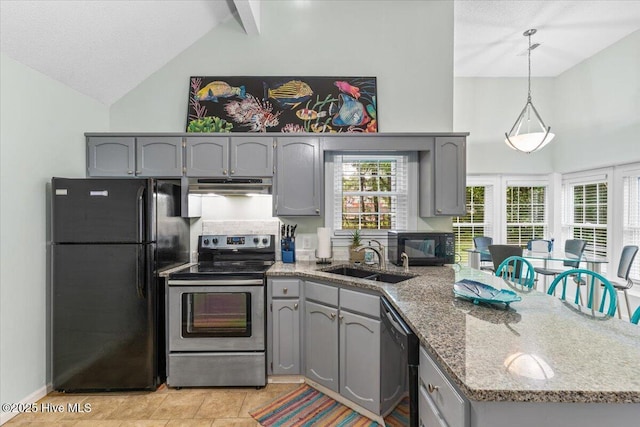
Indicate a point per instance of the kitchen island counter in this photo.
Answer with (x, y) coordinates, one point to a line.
(540, 349)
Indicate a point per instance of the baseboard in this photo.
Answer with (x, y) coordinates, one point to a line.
(346, 402)
(32, 398)
(286, 379)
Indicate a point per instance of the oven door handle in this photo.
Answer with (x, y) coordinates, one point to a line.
(248, 282)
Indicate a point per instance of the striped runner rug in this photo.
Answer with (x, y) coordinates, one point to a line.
(306, 406)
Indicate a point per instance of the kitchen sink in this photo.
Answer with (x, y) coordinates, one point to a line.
(368, 274)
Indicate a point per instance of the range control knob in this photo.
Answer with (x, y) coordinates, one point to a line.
(256, 240)
(206, 241)
(264, 240)
(215, 240)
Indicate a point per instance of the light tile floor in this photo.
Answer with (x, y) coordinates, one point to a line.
(187, 407)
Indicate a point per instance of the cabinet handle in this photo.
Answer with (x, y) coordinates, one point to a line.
(285, 290)
(137, 172)
(295, 306)
(224, 172)
(317, 210)
(341, 318)
(232, 171)
(333, 316)
(439, 210)
(130, 172)
(432, 388)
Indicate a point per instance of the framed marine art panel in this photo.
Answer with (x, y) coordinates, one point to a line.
(282, 104)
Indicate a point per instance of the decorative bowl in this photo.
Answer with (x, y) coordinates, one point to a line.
(479, 292)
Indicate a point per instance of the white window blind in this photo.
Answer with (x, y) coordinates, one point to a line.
(477, 221)
(370, 192)
(631, 217)
(585, 214)
(526, 214)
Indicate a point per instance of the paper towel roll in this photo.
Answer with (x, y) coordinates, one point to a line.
(324, 243)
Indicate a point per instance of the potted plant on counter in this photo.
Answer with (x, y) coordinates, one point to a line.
(355, 256)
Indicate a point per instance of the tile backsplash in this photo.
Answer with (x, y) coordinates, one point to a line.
(267, 226)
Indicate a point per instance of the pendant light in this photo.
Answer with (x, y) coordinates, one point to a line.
(529, 133)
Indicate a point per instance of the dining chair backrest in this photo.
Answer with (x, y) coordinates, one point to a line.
(501, 252)
(636, 316)
(574, 247)
(626, 259)
(482, 244)
(517, 270)
(592, 279)
(539, 245)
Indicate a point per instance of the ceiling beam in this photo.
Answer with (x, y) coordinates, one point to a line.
(249, 13)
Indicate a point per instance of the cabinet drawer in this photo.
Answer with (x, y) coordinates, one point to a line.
(450, 404)
(360, 302)
(321, 293)
(428, 413)
(283, 288)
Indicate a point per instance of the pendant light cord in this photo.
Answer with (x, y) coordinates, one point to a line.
(529, 80)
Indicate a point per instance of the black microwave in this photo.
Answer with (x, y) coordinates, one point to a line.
(422, 247)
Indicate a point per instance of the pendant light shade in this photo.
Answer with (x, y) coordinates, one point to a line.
(529, 133)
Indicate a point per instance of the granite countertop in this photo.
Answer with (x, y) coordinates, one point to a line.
(540, 349)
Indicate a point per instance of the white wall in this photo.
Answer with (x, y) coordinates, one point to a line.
(42, 125)
(598, 109)
(407, 45)
(487, 108)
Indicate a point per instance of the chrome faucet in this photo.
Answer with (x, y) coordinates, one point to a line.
(405, 261)
(381, 264)
(381, 254)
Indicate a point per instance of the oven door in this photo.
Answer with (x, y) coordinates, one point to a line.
(225, 316)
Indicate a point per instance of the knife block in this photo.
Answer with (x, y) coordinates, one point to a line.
(288, 250)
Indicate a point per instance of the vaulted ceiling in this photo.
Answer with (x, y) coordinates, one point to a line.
(105, 48)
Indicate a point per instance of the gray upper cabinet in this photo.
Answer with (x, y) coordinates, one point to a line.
(111, 156)
(298, 177)
(223, 157)
(128, 156)
(251, 156)
(207, 156)
(159, 156)
(450, 176)
(360, 360)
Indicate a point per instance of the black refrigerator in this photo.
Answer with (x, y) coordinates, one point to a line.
(110, 239)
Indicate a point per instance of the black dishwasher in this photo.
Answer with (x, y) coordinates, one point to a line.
(400, 358)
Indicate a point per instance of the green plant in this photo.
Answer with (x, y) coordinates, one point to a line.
(355, 238)
(209, 124)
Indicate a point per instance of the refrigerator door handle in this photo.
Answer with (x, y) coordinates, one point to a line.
(140, 264)
(140, 213)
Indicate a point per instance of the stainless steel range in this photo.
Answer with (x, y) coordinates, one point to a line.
(216, 313)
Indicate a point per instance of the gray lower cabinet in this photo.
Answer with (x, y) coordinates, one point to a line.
(298, 190)
(450, 176)
(440, 403)
(224, 157)
(360, 360)
(134, 156)
(286, 337)
(321, 344)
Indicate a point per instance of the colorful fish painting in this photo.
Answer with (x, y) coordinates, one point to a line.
(348, 89)
(289, 94)
(219, 89)
(350, 113)
(252, 113)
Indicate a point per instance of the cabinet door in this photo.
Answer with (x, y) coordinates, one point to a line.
(251, 156)
(298, 176)
(321, 344)
(450, 176)
(207, 157)
(286, 337)
(159, 156)
(360, 360)
(111, 156)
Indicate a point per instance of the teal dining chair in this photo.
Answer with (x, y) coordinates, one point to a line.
(608, 300)
(517, 270)
(636, 316)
